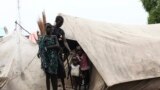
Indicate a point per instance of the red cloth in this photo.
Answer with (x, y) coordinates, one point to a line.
(84, 62)
(33, 37)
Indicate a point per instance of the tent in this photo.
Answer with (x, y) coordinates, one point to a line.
(120, 53)
(125, 57)
(2, 33)
(19, 66)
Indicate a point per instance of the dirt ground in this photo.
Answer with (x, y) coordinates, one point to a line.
(68, 85)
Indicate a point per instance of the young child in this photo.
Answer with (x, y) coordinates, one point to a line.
(84, 67)
(74, 71)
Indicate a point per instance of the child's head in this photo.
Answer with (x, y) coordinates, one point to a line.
(74, 60)
(79, 50)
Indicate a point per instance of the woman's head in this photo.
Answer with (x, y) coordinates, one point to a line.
(59, 21)
(48, 28)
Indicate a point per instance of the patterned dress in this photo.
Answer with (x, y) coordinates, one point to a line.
(49, 57)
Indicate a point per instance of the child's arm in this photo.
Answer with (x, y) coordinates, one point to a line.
(77, 56)
(80, 72)
(69, 72)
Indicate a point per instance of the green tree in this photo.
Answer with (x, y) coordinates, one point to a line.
(153, 9)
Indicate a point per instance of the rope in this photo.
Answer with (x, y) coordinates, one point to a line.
(24, 68)
(29, 63)
(22, 27)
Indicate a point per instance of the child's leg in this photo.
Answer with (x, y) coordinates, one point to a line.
(87, 78)
(79, 82)
(76, 82)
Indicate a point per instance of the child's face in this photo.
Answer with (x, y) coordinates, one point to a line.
(75, 61)
(79, 52)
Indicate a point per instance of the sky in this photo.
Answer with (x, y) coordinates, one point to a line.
(111, 11)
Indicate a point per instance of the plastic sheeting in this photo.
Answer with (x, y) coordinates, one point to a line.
(96, 81)
(147, 84)
(120, 53)
(19, 66)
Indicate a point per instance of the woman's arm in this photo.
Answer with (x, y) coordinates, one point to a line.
(54, 46)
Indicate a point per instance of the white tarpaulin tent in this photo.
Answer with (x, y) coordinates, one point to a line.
(19, 66)
(120, 53)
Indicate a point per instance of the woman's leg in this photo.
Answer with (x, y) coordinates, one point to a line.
(54, 81)
(48, 81)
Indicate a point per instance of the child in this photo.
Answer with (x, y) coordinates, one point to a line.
(74, 71)
(84, 67)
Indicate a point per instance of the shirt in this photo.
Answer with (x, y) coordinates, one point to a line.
(84, 62)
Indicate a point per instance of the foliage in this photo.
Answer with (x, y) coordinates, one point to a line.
(153, 9)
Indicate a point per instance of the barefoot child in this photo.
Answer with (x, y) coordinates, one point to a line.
(74, 71)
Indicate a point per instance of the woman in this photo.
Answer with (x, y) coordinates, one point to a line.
(48, 51)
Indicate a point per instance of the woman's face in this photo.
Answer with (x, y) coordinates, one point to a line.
(48, 29)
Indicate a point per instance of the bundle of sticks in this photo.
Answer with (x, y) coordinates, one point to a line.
(41, 24)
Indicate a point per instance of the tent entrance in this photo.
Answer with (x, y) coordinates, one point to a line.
(73, 44)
